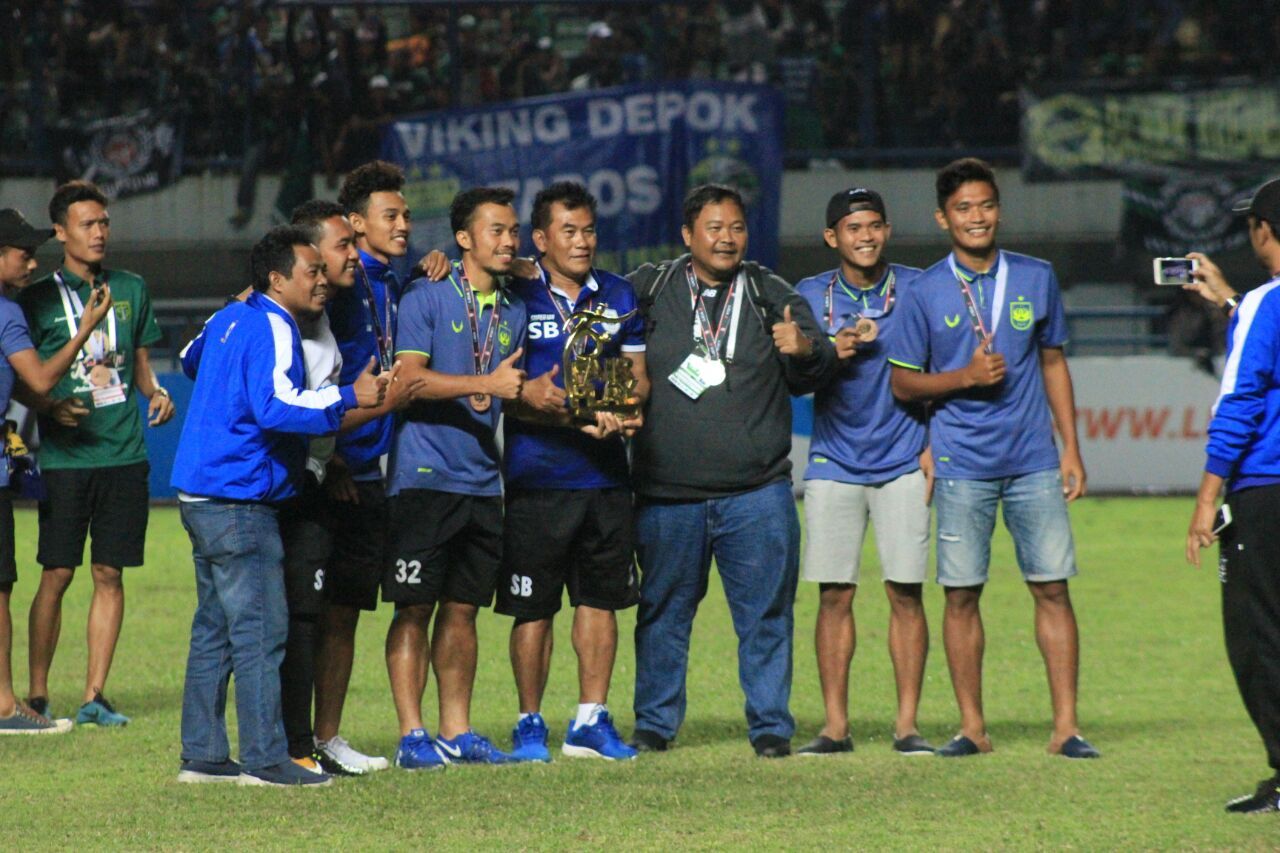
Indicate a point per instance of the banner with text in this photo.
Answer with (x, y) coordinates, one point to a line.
(1074, 134)
(638, 149)
(1169, 212)
(123, 155)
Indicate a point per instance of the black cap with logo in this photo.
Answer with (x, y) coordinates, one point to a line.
(17, 232)
(1264, 204)
(851, 201)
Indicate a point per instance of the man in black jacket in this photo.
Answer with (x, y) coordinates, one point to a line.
(728, 343)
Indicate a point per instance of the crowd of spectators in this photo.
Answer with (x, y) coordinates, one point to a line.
(308, 87)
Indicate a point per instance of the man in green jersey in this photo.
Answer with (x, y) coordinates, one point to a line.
(96, 474)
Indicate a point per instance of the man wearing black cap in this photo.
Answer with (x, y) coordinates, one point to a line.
(869, 458)
(1243, 454)
(18, 243)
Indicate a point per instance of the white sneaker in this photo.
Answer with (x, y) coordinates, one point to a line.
(345, 757)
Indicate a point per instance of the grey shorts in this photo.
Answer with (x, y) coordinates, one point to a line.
(836, 517)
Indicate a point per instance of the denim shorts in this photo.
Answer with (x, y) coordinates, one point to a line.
(1035, 513)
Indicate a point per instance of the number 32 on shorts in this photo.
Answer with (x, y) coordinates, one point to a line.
(408, 572)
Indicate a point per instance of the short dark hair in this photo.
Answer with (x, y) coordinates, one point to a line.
(464, 205)
(573, 195)
(70, 193)
(963, 171)
(377, 176)
(311, 215)
(705, 194)
(274, 253)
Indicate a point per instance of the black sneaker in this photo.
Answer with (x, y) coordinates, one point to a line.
(912, 745)
(331, 765)
(1265, 799)
(771, 746)
(201, 772)
(643, 740)
(823, 745)
(39, 704)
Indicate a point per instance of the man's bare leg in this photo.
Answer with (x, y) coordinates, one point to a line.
(44, 625)
(106, 616)
(835, 639)
(1059, 642)
(963, 637)
(908, 648)
(407, 651)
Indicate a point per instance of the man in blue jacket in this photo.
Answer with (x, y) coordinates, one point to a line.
(241, 454)
(1244, 454)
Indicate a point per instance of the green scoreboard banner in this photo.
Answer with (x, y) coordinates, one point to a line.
(1099, 133)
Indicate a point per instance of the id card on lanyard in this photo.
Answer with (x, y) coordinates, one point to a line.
(713, 348)
(975, 314)
(99, 358)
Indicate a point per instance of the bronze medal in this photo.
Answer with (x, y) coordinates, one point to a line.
(100, 376)
(865, 330)
(481, 402)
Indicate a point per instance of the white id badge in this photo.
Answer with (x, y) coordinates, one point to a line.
(688, 377)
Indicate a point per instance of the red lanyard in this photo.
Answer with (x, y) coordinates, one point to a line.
(710, 337)
(480, 357)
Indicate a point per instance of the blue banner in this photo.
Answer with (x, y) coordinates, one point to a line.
(638, 149)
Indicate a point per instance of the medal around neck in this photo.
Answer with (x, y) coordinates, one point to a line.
(481, 402)
(593, 382)
(866, 330)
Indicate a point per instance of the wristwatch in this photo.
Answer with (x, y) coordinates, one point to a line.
(1230, 305)
(160, 389)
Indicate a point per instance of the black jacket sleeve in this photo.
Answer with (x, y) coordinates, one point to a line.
(803, 375)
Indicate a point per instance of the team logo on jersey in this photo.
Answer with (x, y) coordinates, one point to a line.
(610, 329)
(1021, 314)
(504, 337)
(457, 326)
(123, 312)
(952, 321)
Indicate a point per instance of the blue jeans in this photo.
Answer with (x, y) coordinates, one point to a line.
(1035, 513)
(755, 539)
(240, 626)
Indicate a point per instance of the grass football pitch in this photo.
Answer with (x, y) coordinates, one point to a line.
(1156, 697)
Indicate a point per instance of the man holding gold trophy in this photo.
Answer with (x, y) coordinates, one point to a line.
(568, 498)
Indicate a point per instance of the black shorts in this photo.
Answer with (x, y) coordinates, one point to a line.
(359, 555)
(8, 562)
(443, 546)
(581, 538)
(108, 504)
(304, 532)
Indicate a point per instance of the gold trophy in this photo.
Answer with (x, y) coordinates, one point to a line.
(592, 382)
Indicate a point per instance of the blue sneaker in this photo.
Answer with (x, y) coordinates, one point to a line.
(597, 740)
(417, 752)
(470, 748)
(100, 712)
(529, 740)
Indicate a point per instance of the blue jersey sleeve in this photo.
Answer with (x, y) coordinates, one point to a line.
(278, 404)
(190, 355)
(911, 347)
(1053, 330)
(631, 336)
(416, 320)
(1242, 402)
(14, 335)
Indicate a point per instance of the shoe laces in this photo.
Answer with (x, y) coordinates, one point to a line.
(480, 746)
(531, 727)
(102, 700)
(605, 723)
